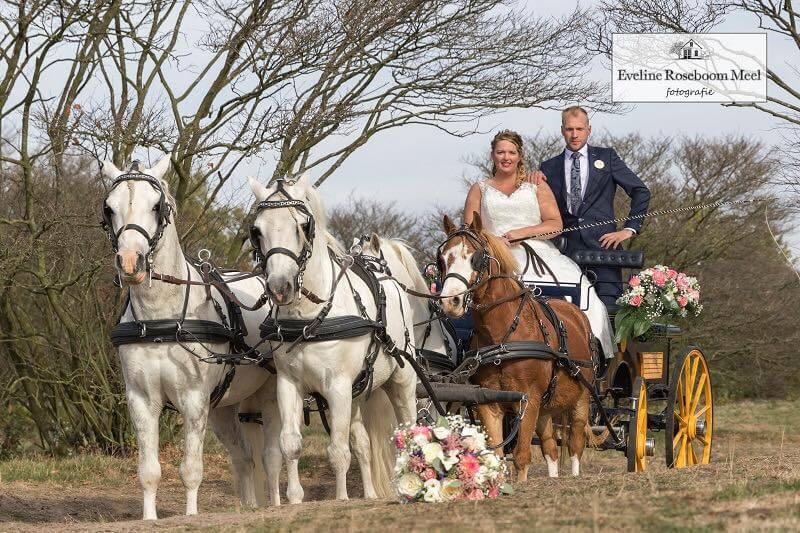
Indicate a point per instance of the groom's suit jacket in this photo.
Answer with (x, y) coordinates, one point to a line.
(598, 205)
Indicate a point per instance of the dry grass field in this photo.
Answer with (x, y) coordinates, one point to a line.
(753, 483)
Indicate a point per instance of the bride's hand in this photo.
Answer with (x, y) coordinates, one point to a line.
(512, 235)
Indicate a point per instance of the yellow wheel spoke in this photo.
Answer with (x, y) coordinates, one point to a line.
(703, 440)
(700, 388)
(693, 371)
(679, 399)
(681, 421)
(692, 455)
(678, 436)
(702, 411)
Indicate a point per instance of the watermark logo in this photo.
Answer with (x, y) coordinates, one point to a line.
(707, 67)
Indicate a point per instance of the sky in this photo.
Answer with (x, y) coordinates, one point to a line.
(420, 167)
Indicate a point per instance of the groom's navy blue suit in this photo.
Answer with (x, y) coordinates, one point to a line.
(598, 205)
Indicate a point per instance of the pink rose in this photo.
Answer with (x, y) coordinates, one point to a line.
(421, 430)
(475, 494)
(682, 301)
(659, 278)
(469, 465)
(428, 473)
(635, 281)
(682, 282)
(636, 301)
(494, 491)
(672, 273)
(469, 443)
(399, 442)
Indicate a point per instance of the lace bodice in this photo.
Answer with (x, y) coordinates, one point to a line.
(501, 213)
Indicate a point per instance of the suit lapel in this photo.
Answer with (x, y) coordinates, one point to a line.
(593, 182)
(562, 180)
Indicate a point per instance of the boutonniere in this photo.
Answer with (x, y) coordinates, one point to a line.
(598, 164)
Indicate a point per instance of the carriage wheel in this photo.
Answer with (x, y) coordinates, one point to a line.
(689, 428)
(636, 449)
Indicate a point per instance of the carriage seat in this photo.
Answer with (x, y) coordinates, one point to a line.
(609, 258)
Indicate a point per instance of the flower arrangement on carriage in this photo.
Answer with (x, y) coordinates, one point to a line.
(657, 294)
(446, 462)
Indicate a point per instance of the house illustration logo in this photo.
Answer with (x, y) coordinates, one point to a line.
(691, 50)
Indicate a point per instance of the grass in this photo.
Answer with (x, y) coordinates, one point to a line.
(753, 483)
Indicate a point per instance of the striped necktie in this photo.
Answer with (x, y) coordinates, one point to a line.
(575, 197)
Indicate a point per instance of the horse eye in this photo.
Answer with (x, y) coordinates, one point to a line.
(108, 210)
(155, 207)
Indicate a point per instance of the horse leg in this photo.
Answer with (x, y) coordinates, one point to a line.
(522, 450)
(271, 454)
(340, 401)
(290, 406)
(359, 443)
(544, 428)
(226, 426)
(194, 407)
(144, 414)
(578, 421)
(491, 415)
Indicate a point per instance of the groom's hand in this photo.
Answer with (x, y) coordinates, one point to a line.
(612, 241)
(536, 177)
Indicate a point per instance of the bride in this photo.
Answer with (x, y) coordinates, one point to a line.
(516, 209)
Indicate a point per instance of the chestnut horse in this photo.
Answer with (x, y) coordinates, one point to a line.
(477, 266)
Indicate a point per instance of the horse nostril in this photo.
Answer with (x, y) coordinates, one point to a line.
(457, 300)
(139, 261)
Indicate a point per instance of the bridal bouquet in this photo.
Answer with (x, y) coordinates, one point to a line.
(446, 462)
(656, 294)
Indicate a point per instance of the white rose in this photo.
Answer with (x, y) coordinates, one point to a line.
(480, 475)
(409, 485)
(441, 433)
(431, 451)
(433, 491)
(480, 440)
(468, 431)
(490, 460)
(451, 459)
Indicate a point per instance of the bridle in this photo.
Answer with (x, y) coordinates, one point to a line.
(308, 229)
(163, 210)
(479, 261)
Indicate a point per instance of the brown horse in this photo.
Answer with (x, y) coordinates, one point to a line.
(478, 266)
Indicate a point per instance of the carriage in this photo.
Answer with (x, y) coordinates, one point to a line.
(653, 384)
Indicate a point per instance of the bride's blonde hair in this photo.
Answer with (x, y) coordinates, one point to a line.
(514, 138)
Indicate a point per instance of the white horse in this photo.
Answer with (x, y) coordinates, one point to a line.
(291, 235)
(430, 334)
(137, 213)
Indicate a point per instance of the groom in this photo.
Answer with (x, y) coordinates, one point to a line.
(584, 180)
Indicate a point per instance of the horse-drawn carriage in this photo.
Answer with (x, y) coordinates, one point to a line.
(653, 383)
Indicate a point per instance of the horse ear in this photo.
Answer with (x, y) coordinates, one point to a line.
(110, 170)
(258, 190)
(375, 242)
(477, 223)
(161, 168)
(449, 227)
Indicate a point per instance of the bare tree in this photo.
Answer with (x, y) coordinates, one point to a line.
(780, 19)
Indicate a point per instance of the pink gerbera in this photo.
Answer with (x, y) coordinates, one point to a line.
(469, 465)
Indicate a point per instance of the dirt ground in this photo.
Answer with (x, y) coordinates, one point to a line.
(753, 483)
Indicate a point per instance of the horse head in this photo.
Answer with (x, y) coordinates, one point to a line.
(466, 260)
(136, 212)
(282, 234)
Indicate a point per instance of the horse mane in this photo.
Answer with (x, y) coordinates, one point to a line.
(321, 219)
(501, 252)
(403, 249)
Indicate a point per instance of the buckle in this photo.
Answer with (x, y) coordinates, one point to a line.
(143, 333)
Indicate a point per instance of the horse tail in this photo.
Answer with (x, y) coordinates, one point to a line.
(594, 440)
(255, 438)
(379, 421)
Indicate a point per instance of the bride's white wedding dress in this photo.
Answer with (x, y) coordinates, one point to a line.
(501, 213)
